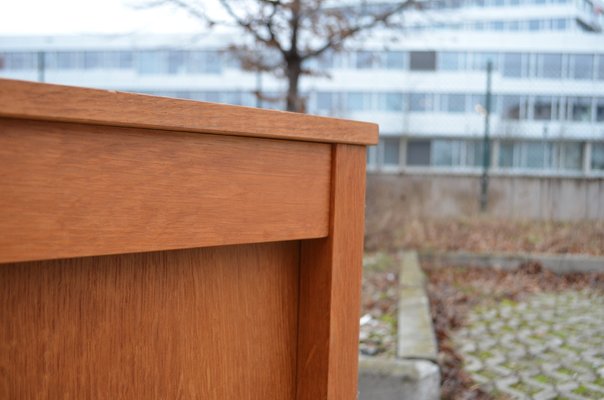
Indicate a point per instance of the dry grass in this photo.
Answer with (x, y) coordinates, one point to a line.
(482, 234)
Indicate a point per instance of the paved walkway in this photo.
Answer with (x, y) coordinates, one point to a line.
(550, 346)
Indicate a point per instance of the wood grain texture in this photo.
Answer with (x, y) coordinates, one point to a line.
(213, 323)
(29, 100)
(70, 190)
(330, 288)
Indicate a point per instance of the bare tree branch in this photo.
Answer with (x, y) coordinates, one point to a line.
(341, 36)
(251, 26)
(296, 30)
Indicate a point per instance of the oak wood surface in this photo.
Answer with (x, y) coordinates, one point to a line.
(330, 288)
(213, 323)
(28, 100)
(70, 190)
(96, 173)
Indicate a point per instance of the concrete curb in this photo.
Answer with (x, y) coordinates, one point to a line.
(416, 337)
(388, 379)
(414, 374)
(558, 263)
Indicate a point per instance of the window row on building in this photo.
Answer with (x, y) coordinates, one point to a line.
(395, 153)
(512, 107)
(530, 24)
(456, 4)
(510, 65)
(551, 108)
(444, 4)
(144, 62)
(550, 66)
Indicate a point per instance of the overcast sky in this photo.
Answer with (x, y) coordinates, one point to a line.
(34, 17)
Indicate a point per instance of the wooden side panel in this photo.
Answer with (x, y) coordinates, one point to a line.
(330, 288)
(70, 190)
(29, 100)
(213, 323)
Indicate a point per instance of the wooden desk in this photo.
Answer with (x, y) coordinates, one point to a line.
(154, 248)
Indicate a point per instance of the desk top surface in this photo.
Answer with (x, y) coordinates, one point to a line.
(40, 101)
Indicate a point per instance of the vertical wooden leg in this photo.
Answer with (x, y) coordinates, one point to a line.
(330, 286)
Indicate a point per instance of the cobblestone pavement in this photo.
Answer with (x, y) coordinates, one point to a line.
(549, 346)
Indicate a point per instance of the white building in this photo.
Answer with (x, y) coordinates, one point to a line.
(425, 89)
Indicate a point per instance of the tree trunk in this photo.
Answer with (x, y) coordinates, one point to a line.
(294, 69)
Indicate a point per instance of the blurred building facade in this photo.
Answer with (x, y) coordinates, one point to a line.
(425, 85)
